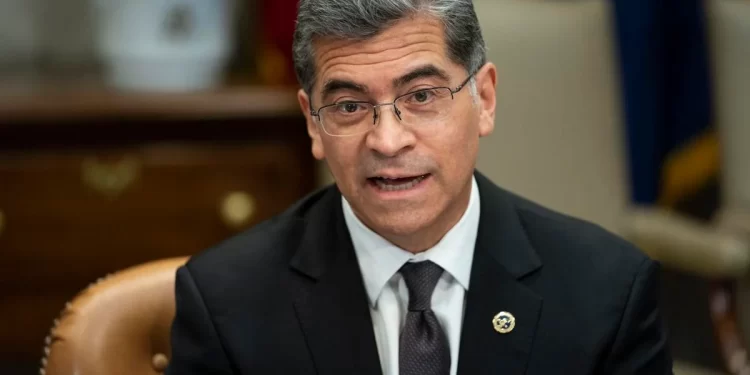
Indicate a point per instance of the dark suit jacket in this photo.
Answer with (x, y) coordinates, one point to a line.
(287, 297)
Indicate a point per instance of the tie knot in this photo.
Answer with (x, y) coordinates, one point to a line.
(421, 279)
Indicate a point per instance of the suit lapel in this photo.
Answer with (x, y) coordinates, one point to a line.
(333, 311)
(503, 256)
(483, 350)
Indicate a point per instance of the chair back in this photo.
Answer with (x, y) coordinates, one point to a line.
(118, 325)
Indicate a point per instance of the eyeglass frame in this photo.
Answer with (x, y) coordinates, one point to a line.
(376, 106)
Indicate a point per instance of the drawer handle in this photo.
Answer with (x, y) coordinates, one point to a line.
(237, 208)
(2, 222)
(110, 180)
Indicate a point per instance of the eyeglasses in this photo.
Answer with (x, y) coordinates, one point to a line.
(418, 108)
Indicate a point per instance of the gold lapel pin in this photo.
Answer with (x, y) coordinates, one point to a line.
(504, 322)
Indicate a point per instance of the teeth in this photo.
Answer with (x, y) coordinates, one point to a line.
(396, 187)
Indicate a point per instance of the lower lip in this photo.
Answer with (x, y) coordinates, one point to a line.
(399, 194)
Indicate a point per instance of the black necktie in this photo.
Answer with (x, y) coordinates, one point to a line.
(423, 346)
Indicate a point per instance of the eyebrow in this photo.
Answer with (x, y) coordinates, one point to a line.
(340, 84)
(425, 71)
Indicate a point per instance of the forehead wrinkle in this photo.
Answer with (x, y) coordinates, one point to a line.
(394, 43)
(342, 63)
(343, 70)
(410, 55)
(365, 49)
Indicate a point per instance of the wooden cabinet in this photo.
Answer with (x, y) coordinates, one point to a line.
(91, 184)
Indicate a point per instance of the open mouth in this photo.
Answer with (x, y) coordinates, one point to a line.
(397, 184)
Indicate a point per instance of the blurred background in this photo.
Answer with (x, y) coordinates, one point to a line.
(132, 131)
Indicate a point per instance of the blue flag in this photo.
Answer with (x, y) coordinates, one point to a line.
(673, 151)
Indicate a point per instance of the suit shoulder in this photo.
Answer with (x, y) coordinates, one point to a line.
(265, 247)
(578, 244)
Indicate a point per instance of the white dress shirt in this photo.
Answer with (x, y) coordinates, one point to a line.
(380, 261)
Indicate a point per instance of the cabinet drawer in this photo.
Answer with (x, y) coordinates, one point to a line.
(68, 218)
(116, 208)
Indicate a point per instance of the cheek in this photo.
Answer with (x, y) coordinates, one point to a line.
(456, 146)
(342, 157)
(459, 137)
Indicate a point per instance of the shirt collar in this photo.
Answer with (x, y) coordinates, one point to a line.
(379, 259)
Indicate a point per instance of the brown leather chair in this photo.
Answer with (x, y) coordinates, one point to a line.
(118, 325)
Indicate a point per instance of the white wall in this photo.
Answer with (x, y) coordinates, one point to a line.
(558, 138)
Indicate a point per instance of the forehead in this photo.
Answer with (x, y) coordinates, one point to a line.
(410, 42)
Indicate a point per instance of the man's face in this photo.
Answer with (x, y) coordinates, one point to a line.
(402, 181)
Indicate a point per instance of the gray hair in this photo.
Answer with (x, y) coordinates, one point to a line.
(363, 19)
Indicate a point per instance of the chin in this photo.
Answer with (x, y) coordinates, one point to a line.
(404, 223)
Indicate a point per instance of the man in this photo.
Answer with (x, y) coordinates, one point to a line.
(413, 263)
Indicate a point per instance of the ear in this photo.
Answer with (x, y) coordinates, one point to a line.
(312, 126)
(486, 83)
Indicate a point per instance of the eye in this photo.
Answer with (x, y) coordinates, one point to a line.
(421, 96)
(349, 107)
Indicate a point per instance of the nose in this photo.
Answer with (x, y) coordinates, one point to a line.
(390, 136)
